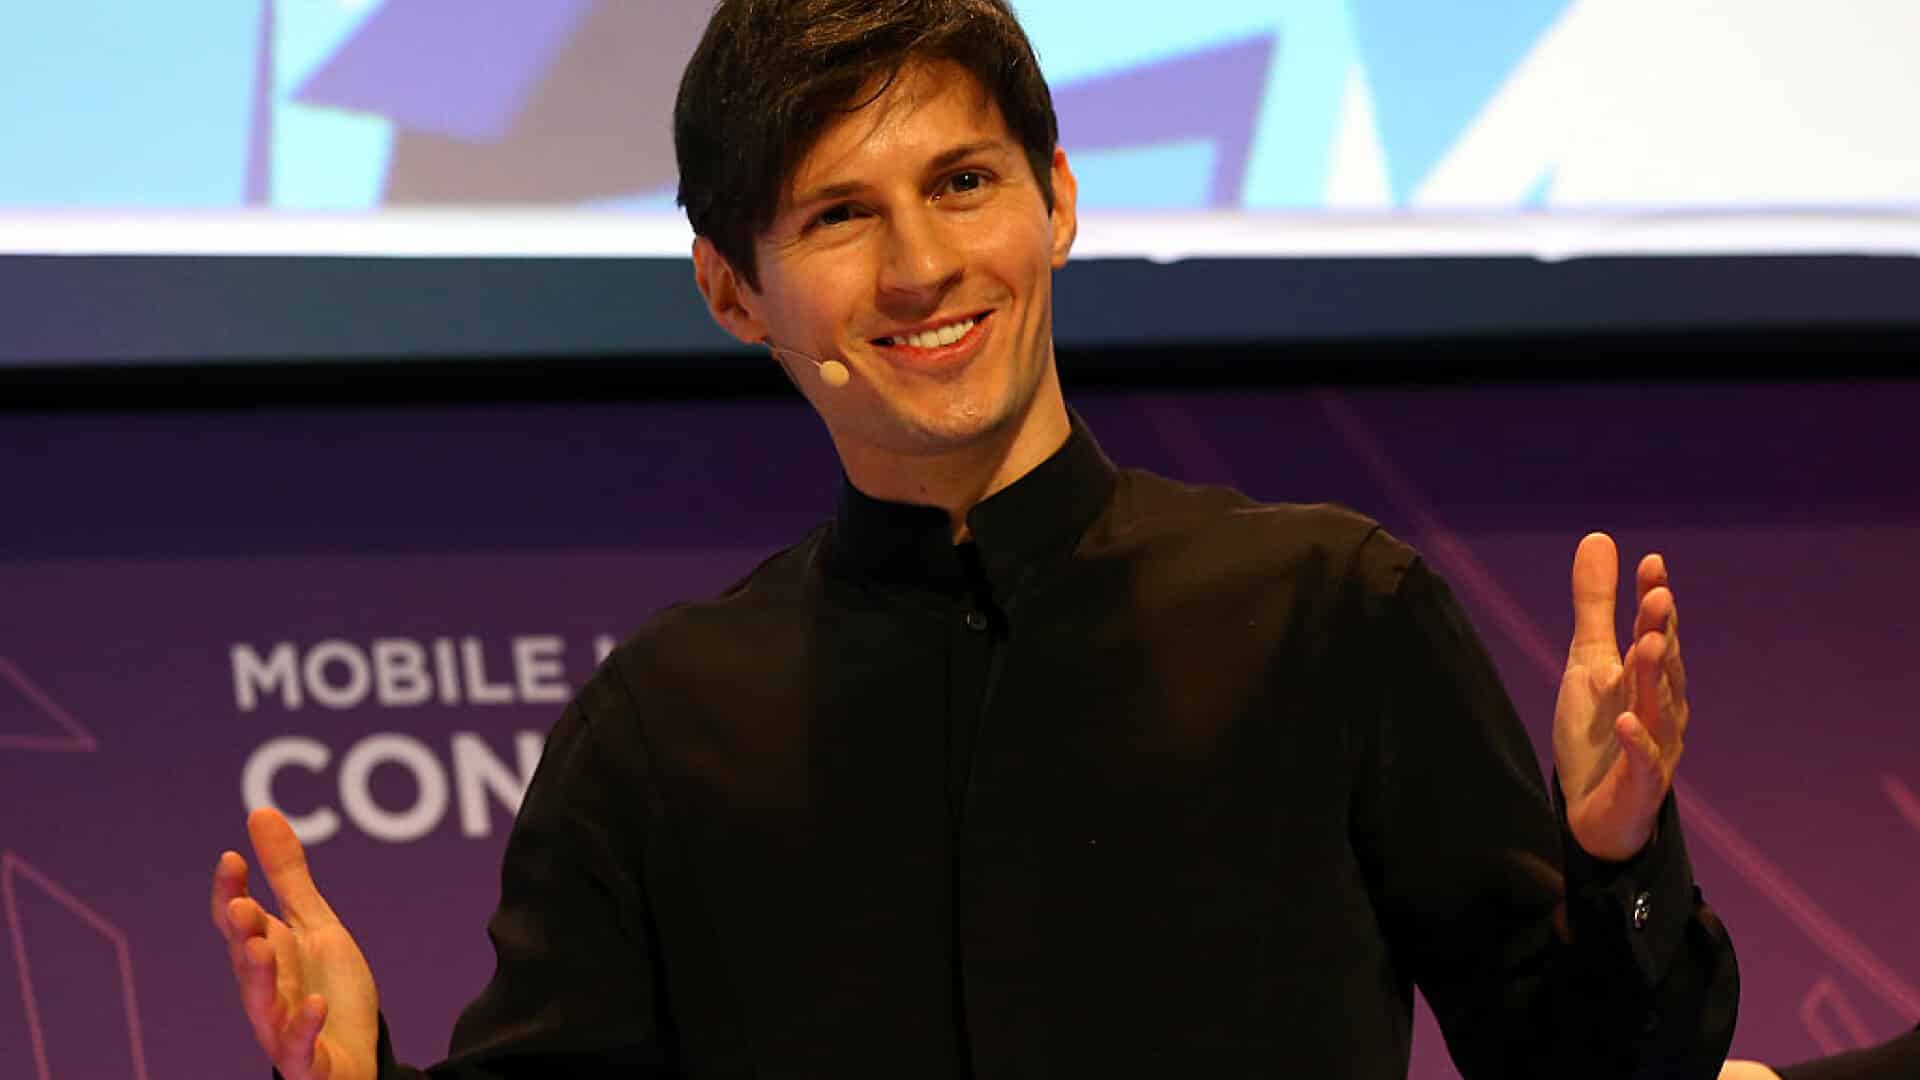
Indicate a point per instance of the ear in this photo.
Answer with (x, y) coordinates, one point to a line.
(1066, 220)
(729, 298)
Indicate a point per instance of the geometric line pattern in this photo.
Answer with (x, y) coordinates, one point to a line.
(1720, 834)
(1902, 798)
(1185, 442)
(13, 867)
(1834, 939)
(1824, 992)
(77, 738)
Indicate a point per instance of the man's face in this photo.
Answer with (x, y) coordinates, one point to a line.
(914, 245)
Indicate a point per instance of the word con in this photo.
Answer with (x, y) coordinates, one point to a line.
(471, 773)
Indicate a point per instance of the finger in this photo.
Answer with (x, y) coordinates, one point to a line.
(257, 997)
(284, 862)
(229, 882)
(1645, 779)
(1655, 612)
(288, 988)
(1650, 575)
(250, 922)
(1676, 678)
(303, 1036)
(1596, 578)
(248, 918)
(1648, 653)
(240, 921)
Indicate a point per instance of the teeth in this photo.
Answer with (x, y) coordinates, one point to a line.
(933, 339)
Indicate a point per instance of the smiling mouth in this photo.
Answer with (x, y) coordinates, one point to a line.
(937, 338)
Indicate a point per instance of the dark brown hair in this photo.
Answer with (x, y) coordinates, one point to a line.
(769, 76)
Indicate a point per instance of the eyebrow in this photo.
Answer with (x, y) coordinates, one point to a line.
(943, 160)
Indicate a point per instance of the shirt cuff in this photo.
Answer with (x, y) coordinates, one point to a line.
(1650, 899)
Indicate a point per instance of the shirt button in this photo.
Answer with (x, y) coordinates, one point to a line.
(976, 621)
(1642, 909)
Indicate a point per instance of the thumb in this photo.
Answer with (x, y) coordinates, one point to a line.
(283, 860)
(1596, 581)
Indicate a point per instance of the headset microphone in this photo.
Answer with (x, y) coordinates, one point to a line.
(832, 372)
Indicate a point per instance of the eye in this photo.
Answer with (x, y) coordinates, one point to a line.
(832, 215)
(964, 182)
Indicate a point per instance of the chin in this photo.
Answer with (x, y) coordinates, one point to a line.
(961, 420)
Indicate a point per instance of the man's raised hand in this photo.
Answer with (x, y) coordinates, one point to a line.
(305, 988)
(1620, 721)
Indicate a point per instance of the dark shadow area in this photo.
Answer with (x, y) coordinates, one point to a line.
(1796, 353)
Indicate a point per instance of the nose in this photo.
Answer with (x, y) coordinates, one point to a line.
(920, 265)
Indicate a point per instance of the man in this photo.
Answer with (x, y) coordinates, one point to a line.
(1025, 765)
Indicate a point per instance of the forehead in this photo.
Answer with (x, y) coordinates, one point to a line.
(927, 108)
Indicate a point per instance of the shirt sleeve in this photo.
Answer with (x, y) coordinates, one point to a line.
(575, 990)
(1537, 959)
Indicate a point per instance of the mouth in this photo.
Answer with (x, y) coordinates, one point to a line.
(940, 346)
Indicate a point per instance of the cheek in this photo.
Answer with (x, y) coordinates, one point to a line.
(1016, 250)
(818, 299)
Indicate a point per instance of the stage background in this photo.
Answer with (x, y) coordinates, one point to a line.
(144, 547)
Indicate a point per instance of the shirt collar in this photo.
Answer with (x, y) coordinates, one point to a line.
(1030, 521)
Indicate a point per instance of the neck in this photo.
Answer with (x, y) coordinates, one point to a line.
(959, 478)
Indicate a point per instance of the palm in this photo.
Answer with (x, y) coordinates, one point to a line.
(304, 985)
(1619, 720)
(1593, 692)
(322, 960)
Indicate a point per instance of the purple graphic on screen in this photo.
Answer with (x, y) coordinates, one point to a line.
(1903, 799)
(259, 190)
(556, 103)
(542, 105)
(67, 1031)
(445, 67)
(25, 713)
(1832, 1020)
(1214, 95)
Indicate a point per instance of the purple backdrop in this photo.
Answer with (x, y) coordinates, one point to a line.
(362, 563)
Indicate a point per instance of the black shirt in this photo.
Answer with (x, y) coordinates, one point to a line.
(1145, 780)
